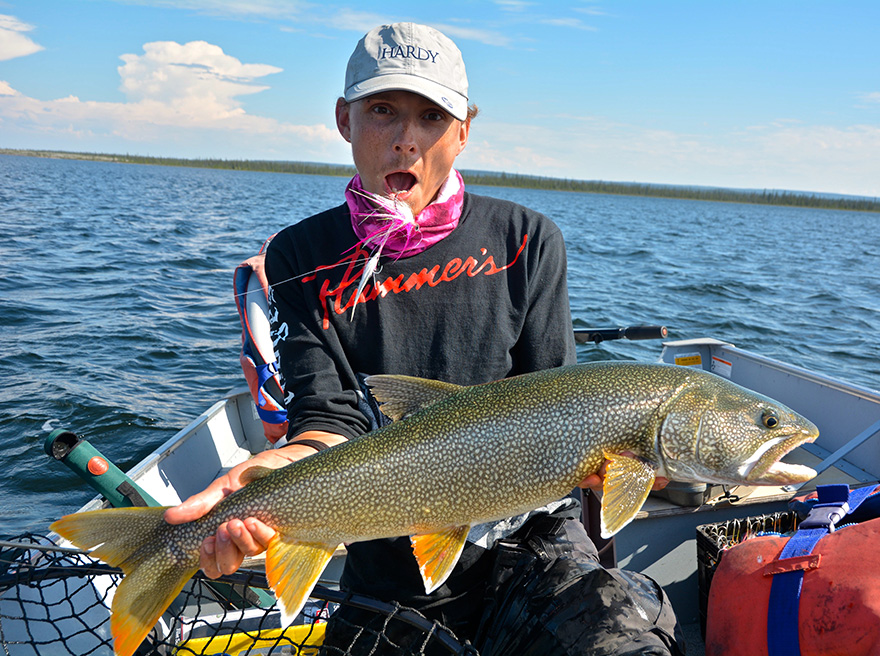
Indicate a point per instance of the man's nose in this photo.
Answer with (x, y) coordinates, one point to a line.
(405, 138)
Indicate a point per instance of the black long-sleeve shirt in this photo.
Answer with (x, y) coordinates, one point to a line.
(487, 302)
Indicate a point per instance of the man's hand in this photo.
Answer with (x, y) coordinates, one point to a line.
(594, 481)
(223, 552)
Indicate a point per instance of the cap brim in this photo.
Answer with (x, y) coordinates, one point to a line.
(445, 98)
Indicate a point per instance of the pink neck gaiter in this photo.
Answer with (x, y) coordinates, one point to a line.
(395, 231)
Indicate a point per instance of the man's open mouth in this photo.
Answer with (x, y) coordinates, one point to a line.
(399, 181)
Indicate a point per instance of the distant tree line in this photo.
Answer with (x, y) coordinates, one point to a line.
(763, 197)
(265, 166)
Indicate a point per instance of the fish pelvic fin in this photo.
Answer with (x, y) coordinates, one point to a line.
(292, 570)
(438, 553)
(139, 541)
(402, 396)
(627, 483)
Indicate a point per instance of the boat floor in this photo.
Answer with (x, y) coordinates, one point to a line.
(693, 638)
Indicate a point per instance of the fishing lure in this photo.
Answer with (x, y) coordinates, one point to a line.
(393, 218)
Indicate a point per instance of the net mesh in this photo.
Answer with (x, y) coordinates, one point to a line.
(57, 601)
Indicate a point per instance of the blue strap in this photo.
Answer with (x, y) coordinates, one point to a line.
(834, 502)
(272, 416)
(264, 373)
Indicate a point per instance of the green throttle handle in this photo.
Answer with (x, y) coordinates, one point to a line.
(96, 470)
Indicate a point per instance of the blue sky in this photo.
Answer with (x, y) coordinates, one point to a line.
(781, 95)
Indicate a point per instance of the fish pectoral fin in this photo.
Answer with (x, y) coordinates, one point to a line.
(292, 570)
(627, 483)
(254, 473)
(437, 554)
(401, 396)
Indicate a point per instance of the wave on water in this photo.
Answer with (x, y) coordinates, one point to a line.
(118, 320)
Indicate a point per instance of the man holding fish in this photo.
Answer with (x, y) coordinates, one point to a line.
(471, 290)
(468, 290)
(414, 276)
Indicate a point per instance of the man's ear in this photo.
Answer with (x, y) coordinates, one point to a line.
(343, 118)
(463, 134)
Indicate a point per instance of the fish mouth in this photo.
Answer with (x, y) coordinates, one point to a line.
(768, 470)
(398, 183)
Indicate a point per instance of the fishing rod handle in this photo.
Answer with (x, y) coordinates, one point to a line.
(597, 335)
(645, 332)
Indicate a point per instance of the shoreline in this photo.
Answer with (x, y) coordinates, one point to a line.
(491, 179)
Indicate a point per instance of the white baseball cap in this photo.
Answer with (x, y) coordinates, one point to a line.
(409, 57)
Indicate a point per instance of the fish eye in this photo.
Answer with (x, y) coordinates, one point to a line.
(769, 419)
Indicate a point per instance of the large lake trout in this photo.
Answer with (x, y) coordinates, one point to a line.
(454, 457)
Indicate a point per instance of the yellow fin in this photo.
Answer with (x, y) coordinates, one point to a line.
(437, 554)
(254, 473)
(627, 483)
(142, 544)
(292, 570)
(120, 532)
(401, 396)
(141, 598)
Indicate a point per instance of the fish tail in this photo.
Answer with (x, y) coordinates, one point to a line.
(143, 545)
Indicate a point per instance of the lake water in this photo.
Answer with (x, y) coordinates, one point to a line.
(118, 322)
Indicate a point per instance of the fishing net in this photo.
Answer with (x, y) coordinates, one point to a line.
(57, 601)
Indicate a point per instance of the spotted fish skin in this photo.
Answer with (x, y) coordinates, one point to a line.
(457, 456)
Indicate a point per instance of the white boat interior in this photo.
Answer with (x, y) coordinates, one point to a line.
(662, 540)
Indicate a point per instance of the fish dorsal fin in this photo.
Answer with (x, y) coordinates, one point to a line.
(401, 396)
(292, 570)
(437, 553)
(627, 483)
(254, 473)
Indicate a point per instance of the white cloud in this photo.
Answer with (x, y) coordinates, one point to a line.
(873, 97)
(196, 80)
(306, 13)
(779, 155)
(527, 159)
(590, 11)
(6, 90)
(354, 21)
(176, 92)
(513, 5)
(13, 43)
(261, 8)
(575, 23)
(362, 22)
(487, 37)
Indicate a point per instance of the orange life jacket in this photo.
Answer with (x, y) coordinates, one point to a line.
(837, 610)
